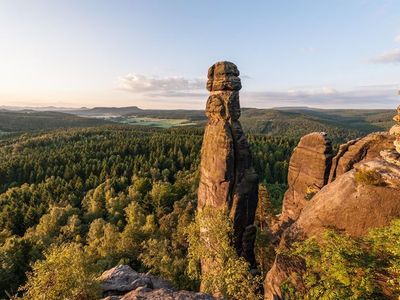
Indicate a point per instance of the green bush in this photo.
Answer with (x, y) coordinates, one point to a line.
(210, 241)
(369, 177)
(65, 273)
(338, 266)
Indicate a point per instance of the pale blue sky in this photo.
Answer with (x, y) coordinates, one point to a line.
(155, 54)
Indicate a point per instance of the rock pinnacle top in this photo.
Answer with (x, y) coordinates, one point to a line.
(223, 76)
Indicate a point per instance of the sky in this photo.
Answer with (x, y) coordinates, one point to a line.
(155, 54)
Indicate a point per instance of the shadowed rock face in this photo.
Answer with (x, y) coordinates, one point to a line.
(227, 178)
(308, 172)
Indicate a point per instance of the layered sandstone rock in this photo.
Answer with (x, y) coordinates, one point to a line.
(346, 204)
(122, 279)
(227, 178)
(308, 172)
(364, 149)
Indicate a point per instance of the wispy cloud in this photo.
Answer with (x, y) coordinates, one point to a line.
(392, 56)
(397, 38)
(312, 91)
(142, 84)
(180, 92)
(308, 49)
(383, 96)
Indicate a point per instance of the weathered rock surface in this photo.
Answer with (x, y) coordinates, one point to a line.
(122, 279)
(227, 178)
(308, 172)
(123, 283)
(395, 130)
(164, 294)
(359, 150)
(344, 204)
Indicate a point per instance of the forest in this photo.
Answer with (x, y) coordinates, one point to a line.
(120, 194)
(125, 194)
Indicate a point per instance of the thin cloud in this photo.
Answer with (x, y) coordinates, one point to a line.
(312, 91)
(325, 97)
(141, 83)
(308, 49)
(397, 38)
(392, 56)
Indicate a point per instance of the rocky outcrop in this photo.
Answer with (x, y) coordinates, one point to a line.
(227, 178)
(345, 204)
(122, 279)
(359, 150)
(124, 283)
(395, 130)
(308, 172)
(164, 294)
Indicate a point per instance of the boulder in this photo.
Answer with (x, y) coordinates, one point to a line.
(345, 204)
(164, 294)
(308, 172)
(118, 280)
(122, 279)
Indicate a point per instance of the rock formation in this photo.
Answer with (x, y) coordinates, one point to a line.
(123, 283)
(395, 130)
(227, 178)
(345, 205)
(363, 149)
(308, 172)
(344, 202)
(393, 156)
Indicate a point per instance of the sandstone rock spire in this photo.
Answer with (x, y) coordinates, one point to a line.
(227, 178)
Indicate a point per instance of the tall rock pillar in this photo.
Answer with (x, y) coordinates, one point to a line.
(227, 179)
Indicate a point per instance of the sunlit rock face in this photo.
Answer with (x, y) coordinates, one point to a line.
(346, 202)
(308, 172)
(227, 177)
(395, 130)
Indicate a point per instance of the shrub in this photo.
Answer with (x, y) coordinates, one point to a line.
(369, 177)
(210, 241)
(310, 192)
(341, 267)
(65, 273)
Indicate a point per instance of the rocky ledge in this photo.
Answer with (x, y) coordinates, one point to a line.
(124, 283)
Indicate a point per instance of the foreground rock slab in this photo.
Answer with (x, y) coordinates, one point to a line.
(165, 294)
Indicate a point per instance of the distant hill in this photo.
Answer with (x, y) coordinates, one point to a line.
(340, 124)
(105, 111)
(29, 120)
(296, 122)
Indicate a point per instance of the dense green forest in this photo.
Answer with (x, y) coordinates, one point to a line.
(124, 193)
(127, 194)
